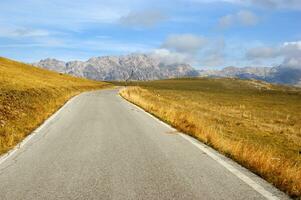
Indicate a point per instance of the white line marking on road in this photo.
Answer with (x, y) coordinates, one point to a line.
(10, 153)
(232, 169)
(200, 146)
(256, 186)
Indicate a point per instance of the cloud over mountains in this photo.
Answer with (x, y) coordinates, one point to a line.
(210, 33)
(289, 51)
(187, 43)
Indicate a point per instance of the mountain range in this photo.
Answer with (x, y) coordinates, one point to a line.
(278, 75)
(147, 67)
(134, 66)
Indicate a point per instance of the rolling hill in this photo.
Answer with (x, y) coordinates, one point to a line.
(29, 95)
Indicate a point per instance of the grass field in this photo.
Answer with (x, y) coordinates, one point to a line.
(29, 95)
(255, 123)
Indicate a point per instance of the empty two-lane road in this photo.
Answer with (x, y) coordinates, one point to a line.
(101, 147)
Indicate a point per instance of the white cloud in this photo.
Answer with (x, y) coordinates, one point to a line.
(180, 48)
(146, 18)
(214, 55)
(296, 44)
(191, 49)
(213, 59)
(287, 4)
(242, 17)
(289, 51)
(61, 14)
(292, 54)
(185, 43)
(292, 62)
(271, 4)
(22, 32)
(226, 21)
(168, 57)
(247, 18)
(262, 52)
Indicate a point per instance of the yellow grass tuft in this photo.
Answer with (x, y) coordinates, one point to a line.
(260, 131)
(29, 95)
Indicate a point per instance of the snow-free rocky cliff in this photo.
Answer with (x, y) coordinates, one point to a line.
(147, 67)
(142, 67)
(279, 74)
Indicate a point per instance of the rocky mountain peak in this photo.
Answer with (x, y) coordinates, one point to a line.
(143, 66)
(147, 67)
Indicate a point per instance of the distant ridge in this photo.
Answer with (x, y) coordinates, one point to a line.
(279, 74)
(147, 67)
(143, 67)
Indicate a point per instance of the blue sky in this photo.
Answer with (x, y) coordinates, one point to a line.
(204, 33)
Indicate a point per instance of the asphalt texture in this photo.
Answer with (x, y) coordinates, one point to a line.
(100, 146)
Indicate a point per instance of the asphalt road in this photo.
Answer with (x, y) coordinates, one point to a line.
(99, 146)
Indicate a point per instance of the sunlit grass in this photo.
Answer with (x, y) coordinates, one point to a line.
(28, 95)
(252, 122)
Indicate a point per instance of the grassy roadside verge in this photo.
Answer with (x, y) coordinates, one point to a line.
(29, 95)
(254, 123)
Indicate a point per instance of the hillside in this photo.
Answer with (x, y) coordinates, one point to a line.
(28, 95)
(253, 122)
(144, 67)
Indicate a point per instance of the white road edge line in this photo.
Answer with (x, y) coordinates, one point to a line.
(10, 153)
(229, 167)
(232, 169)
(256, 186)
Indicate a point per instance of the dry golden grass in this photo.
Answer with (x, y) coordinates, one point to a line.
(29, 95)
(255, 123)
